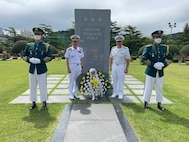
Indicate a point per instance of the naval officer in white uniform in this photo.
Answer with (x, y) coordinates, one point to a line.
(119, 65)
(74, 61)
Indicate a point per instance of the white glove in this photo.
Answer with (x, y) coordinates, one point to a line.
(161, 64)
(158, 66)
(31, 60)
(34, 60)
(37, 61)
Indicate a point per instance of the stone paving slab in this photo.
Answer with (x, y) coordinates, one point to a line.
(128, 76)
(51, 86)
(60, 86)
(133, 82)
(127, 92)
(130, 79)
(94, 131)
(61, 91)
(58, 99)
(140, 92)
(126, 99)
(53, 81)
(64, 82)
(27, 92)
(93, 112)
(23, 100)
(56, 75)
(94, 123)
(133, 86)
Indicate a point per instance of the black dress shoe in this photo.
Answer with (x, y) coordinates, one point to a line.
(76, 97)
(146, 105)
(33, 106)
(160, 107)
(44, 106)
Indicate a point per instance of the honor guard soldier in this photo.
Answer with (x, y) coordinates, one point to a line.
(74, 60)
(156, 57)
(119, 65)
(37, 54)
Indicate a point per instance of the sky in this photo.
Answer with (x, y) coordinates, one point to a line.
(146, 15)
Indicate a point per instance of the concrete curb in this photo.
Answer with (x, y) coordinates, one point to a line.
(60, 131)
(127, 129)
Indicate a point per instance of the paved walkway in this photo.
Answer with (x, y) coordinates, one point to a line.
(93, 123)
(58, 91)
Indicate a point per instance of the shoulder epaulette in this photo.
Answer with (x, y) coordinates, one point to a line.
(167, 50)
(47, 46)
(69, 48)
(125, 47)
(80, 48)
(114, 46)
(149, 45)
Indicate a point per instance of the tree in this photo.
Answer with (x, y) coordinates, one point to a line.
(11, 31)
(113, 32)
(46, 28)
(18, 47)
(174, 49)
(185, 35)
(2, 47)
(184, 52)
(132, 39)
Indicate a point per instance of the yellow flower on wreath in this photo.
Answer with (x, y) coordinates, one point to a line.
(81, 82)
(83, 78)
(94, 82)
(88, 73)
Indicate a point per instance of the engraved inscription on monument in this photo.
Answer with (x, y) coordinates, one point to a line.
(93, 26)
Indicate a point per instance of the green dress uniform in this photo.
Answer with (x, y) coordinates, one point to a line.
(37, 71)
(151, 55)
(41, 51)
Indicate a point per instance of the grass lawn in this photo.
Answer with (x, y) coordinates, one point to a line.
(18, 124)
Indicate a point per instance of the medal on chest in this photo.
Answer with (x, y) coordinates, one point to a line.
(152, 54)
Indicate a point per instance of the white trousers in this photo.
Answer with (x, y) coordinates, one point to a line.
(41, 80)
(118, 76)
(75, 72)
(151, 82)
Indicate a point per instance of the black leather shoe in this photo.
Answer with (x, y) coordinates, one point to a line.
(76, 97)
(146, 105)
(44, 106)
(160, 107)
(33, 106)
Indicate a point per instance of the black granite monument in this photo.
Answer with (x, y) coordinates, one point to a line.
(93, 26)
